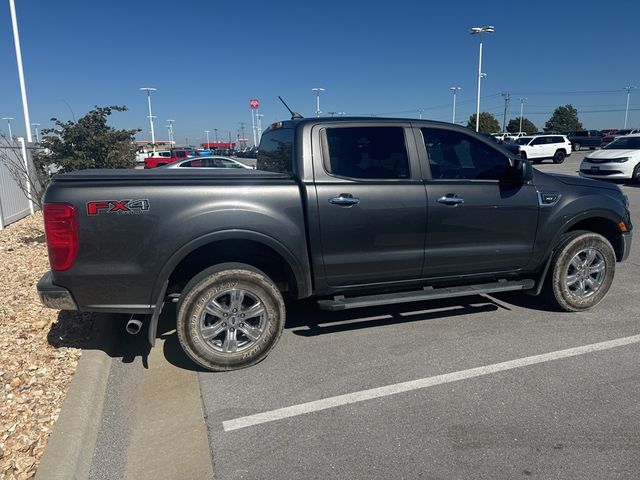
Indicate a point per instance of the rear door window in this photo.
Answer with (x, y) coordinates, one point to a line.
(367, 152)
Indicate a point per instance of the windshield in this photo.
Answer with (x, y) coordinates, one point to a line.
(522, 141)
(624, 143)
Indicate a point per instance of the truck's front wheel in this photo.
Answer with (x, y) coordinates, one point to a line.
(582, 271)
(230, 316)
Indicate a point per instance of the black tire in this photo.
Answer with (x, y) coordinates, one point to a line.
(636, 174)
(592, 148)
(576, 146)
(194, 320)
(558, 289)
(559, 156)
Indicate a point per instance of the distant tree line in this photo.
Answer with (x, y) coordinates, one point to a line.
(564, 119)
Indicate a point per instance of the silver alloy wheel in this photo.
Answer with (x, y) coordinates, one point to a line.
(586, 273)
(233, 321)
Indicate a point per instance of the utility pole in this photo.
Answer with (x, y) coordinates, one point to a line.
(507, 97)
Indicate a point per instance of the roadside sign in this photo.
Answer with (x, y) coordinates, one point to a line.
(254, 103)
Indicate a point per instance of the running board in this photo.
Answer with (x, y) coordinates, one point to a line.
(340, 302)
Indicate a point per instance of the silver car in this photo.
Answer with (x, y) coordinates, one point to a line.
(207, 162)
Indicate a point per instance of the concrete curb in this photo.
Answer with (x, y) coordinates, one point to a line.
(70, 448)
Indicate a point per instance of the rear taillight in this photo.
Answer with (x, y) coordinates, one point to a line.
(61, 230)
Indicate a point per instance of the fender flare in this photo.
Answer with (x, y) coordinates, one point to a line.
(302, 276)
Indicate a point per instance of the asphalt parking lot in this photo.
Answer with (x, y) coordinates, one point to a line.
(476, 387)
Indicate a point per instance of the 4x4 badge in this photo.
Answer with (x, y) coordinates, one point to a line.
(118, 206)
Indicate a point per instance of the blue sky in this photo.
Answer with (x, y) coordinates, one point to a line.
(207, 59)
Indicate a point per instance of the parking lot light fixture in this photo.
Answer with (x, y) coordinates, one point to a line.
(170, 127)
(317, 90)
(522, 99)
(207, 132)
(151, 117)
(455, 90)
(479, 31)
(626, 110)
(23, 88)
(8, 119)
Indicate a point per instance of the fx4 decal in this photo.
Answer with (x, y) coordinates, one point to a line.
(118, 206)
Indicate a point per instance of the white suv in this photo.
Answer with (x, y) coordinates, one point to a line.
(538, 147)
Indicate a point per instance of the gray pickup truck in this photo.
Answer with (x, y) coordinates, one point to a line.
(352, 211)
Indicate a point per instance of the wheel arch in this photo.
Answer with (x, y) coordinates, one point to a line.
(604, 226)
(245, 246)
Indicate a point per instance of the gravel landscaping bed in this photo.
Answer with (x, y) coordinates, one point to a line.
(37, 358)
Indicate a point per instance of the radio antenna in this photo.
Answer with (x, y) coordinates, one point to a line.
(294, 115)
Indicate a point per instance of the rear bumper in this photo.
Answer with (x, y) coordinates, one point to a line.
(626, 245)
(54, 296)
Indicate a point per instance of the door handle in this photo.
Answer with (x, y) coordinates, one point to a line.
(451, 199)
(344, 200)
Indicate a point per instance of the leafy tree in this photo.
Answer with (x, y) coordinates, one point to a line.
(527, 125)
(488, 123)
(564, 119)
(87, 143)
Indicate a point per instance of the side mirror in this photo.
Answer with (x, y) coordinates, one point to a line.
(523, 169)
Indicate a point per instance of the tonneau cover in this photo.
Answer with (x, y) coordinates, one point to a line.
(162, 174)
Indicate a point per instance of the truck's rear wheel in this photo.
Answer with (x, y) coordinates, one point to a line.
(230, 316)
(582, 271)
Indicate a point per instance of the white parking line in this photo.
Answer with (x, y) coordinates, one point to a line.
(337, 401)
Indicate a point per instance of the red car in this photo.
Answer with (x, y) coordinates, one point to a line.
(176, 154)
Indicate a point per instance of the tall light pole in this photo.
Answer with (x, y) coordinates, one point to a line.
(479, 31)
(8, 119)
(151, 117)
(626, 110)
(455, 90)
(207, 132)
(420, 110)
(522, 99)
(23, 88)
(36, 125)
(259, 121)
(215, 130)
(317, 90)
(170, 127)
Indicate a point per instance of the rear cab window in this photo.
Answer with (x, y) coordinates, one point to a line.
(275, 153)
(378, 153)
